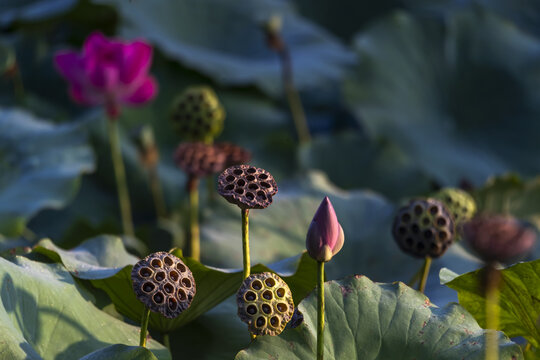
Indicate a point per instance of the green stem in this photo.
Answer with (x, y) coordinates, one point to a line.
(492, 312)
(425, 273)
(166, 341)
(293, 98)
(415, 277)
(144, 326)
(320, 311)
(120, 176)
(157, 192)
(194, 237)
(245, 242)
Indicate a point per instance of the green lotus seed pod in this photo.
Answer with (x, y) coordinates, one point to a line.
(265, 303)
(460, 204)
(423, 228)
(197, 114)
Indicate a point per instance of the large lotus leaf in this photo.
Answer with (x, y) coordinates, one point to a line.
(121, 352)
(457, 96)
(40, 164)
(43, 314)
(193, 33)
(367, 320)
(31, 10)
(519, 297)
(106, 263)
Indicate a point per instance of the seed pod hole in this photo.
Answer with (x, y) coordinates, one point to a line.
(241, 182)
(252, 171)
(266, 309)
(428, 234)
(250, 195)
(182, 294)
(160, 276)
(250, 296)
(172, 304)
(402, 230)
(168, 261)
(280, 292)
(174, 276)
(263, 176)
(415, 228)
(239, 191)
(158, 298)
(281, 307)
(409, 242)
(169, 289)
(426, 221)
(229, 187)
(181, 267)
(238, 172)
(145, 272)
(274, 321)
(261, 194)
(420, 246)
(418, 209)
(267, 295)
(251, 178)
(406, 217)
(265, 184)
(148, 287)
(230, 178)
(441, 221)
(260, 321)
(253, 186)
(443, 235)
(156, 263)
(256, 285)
(186, 282)
(251, 309)
(270, 282)
(433, 210)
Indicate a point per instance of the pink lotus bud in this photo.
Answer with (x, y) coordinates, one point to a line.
(109, 73)
(325, 236)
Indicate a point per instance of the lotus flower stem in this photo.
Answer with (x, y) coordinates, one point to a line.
(157, 192)
(320, 311)
(425, 273)
(144, 326)
(120, 176)
(194, 237)
(245, 242)
(166, 341)
(493, 277)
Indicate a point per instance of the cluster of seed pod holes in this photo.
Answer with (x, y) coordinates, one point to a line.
(425, 221)
(265, 308)
(159, 276)
(253, 188)
(454, 205)
(196, 102)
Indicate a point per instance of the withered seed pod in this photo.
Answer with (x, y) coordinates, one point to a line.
(234, 154)
(499, 238)
(197, 114)
(163, 283)
(265, 303)
(423, 228)
(247, 186)
(199, 159)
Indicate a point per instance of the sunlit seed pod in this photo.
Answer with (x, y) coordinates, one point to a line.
(199, 159)
(423, 228)
(163, 283)
(499, 238)
(265, 303)
(459, 203)
(197, 114)
(247, 186)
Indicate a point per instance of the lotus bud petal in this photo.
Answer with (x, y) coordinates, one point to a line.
(325, 235)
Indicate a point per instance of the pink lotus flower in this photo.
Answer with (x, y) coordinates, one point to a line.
(325, 236)
(108, 72)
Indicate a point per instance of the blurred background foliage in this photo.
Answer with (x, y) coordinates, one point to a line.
(402, 97)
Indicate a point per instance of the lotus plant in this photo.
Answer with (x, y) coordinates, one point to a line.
(112, 74)
(324, 239)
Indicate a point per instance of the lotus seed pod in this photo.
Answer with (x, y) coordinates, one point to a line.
(199, 159)
(163, 283)
(247, 186)
(423, 228)
(499, 238)
(265, 303)
(234, 154)
(460, 204)
(197, 114)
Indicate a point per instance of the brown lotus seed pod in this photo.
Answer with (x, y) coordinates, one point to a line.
(197, 114)
(499, 238)
(163, 283)
(199, 159)
(234, 154)
(423, 228)
(265, 303)
(247, 186)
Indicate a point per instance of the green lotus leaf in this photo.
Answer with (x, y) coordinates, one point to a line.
(121, 352)
(519, 298)
(44, 314)
(40, 166)
(367, 320)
